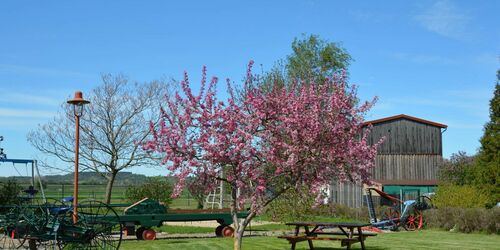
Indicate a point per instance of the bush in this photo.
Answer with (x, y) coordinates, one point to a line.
(299, 205)
(8, 193)
(466, 196)
(156, 188)
(343, 211)
(464, 220)
(291, 206)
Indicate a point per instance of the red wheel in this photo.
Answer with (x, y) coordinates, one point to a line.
(393, 218)
(149, 234)
(391, 214)
(414, 221)
(228, 231)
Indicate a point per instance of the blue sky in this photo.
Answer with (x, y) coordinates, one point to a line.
(435, 60)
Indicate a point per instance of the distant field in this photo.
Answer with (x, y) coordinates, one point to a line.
(59, 191)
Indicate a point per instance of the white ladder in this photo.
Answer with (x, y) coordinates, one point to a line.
(215, 199)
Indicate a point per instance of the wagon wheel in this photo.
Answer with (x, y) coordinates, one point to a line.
(414, 221)
(12, 230)
(37, 216)
(218, 230)
(9, 238)
(228, 231)
(45, 236)
(138, 233)
(391, 214)
(98, 221)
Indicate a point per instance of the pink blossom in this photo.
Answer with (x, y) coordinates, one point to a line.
(303, 135)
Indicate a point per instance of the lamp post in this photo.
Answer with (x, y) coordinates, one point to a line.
(77, 103)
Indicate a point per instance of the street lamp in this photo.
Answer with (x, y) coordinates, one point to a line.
(77, 103)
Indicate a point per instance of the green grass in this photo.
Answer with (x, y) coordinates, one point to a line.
(426, 239)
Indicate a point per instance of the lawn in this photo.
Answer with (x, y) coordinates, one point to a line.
(426, 239)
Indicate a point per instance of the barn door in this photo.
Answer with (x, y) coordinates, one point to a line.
(410, 194)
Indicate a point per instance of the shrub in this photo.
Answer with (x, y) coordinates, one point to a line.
(291, 206)
(156, 188)
(8, 193)
(343, 211)
(466, 196)
(464, 220)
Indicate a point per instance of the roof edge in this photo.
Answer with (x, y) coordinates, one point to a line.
(403, 116)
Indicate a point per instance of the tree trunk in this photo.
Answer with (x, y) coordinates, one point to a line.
(234, 214)
(239, 228)
(238, 233)
(109, 187)
(237, 241)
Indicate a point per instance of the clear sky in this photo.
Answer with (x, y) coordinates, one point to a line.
(435, 60)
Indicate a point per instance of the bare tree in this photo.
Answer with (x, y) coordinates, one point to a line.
(112, 127)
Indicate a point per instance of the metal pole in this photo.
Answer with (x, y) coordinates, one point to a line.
(221, 198)
(401, 198)
(75, 177)
(33, 174)
(40, 181)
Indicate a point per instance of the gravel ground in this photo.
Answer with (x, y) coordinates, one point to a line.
(205, 235)
(213, 224)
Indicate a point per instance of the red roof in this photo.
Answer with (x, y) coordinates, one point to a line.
(403, 116)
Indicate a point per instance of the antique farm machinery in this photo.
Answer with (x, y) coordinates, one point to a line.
(51, 225)
(407, 214)
(40, 223)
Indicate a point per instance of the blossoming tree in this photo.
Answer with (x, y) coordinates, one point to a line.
(266, 143)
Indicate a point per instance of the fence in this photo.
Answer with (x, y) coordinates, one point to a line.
(98, 192)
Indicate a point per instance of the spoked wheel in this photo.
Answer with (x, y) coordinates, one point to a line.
(393, 216)
(414, 221)
(98, 221)
(14, 229)
(46, 219)
(9, 239)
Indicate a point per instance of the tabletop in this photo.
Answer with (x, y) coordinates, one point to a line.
(328, 224)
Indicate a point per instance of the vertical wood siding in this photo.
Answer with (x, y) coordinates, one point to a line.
(349, 194)
(406, 137)
(406, 167)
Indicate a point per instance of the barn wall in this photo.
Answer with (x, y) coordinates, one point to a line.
(349, 194)
(411, 151)
(406, 167)
(406, 137)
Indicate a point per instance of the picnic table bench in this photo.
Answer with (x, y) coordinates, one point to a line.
(348, 234)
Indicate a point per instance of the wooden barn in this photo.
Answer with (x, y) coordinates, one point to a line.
(406, 163)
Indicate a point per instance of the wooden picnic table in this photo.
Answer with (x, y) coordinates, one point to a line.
(348, 233)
